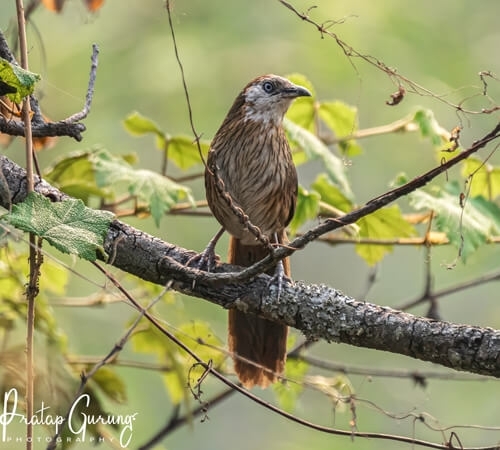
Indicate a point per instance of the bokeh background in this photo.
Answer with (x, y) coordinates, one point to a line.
(440, 45)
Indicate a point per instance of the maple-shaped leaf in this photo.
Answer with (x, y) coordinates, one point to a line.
(157, 191)
(467, 226)
(69, 225)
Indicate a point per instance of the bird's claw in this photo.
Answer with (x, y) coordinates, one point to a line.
(204, 261)
(278, 278)
(207, 258)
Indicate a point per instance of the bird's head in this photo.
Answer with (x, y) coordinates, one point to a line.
(267, 98)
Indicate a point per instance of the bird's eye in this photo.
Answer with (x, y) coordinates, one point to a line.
(268, 87)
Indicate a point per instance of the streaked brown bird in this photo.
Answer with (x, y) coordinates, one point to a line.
(251, 156)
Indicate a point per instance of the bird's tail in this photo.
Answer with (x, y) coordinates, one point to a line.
(252, 338)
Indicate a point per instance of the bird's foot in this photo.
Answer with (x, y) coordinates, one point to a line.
(207, 258)
(278, 278)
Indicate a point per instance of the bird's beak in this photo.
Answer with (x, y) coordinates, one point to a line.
(295, 91)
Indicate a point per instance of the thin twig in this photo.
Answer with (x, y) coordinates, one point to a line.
(415, 375)
(184, 82)
(79, 116)
(398, 79)
(495, 276)
(35, 256)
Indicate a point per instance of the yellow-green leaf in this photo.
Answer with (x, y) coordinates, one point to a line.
(331, 194)
(302, 110)
(342, 119)
(74, 174)
(137, 124)
(385, 223)
(306, 209)
(110, 384)
(287, 393)
(183, 151)
(54, 277)
(18, 83)
(484, 178)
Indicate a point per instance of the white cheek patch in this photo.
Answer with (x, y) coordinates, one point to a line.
(262, 107)
(254, 93)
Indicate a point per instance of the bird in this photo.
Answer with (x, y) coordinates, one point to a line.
(249, 169)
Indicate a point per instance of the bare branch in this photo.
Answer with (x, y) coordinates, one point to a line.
(71, 126)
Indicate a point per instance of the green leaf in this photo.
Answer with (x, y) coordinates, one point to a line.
(331, 194)
(183, 151)
(385, 223)
(111, 384)
(13, 306)
(342, 119)
(158, 192)
(288, 393)
(74, 175)
(430, 128)
(485, 178)
(69, 225)
(306, 209)
(137, 124)
(315, 149)
(149, 340)
(467, 228)
(176, 378)
(302, 80)
(22, 81)
(201, 339)
(302, 111)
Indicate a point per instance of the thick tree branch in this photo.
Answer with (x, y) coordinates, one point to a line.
(319, 311)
